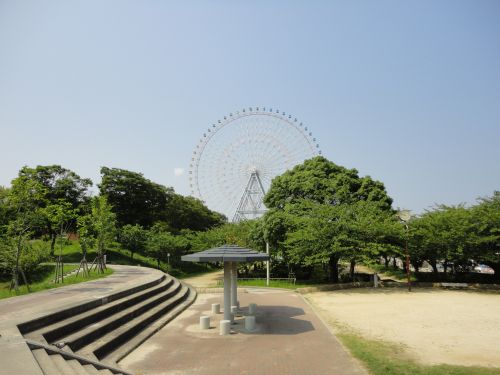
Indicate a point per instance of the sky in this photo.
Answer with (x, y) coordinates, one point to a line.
(407, 92)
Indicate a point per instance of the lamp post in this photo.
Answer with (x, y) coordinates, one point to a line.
(405, 216)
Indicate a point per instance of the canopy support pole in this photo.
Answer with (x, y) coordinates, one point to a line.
(267, 264)
(227, 290)
(234, 283)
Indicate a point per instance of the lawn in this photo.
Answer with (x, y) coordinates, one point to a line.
(117, 255)
(275, 283)
(43, 279)
(383, 358)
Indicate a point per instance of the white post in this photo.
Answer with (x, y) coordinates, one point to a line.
(227, 291)
(267, 264)
(234, 284)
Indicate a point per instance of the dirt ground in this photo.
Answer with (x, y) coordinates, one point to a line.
(435, 326)
(206, 280)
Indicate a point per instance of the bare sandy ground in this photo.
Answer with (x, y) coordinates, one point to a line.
(435, 326)
(206, 280)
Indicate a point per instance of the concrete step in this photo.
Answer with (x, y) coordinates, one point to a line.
(49, 319)
(54, 332)
(77, 367)
(62, 364)
(91, 370)
(121, 335)
(86, 335)
(122, 351)
(45, 362)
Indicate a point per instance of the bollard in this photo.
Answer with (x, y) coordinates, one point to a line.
(215, 308)
(225, 327)
(252, 309)
(250, 323)
(204, 322)
(375, 280)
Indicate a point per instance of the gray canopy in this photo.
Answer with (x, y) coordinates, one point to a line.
(226, 253)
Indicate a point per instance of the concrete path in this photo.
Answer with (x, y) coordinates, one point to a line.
(15, 356)
(289, 339)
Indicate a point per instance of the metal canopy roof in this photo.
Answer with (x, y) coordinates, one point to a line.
(226, 253)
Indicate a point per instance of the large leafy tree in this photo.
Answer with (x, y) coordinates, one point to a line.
(321, 212)
(135, 199)
(51, 185)
(325, 182)
(190, 213)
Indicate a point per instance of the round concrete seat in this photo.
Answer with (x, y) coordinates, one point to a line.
(204, 322)
(250, 323)
(215, 308)
(252, 309)
(225, 327)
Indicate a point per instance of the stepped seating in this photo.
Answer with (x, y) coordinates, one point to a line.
(105, 330)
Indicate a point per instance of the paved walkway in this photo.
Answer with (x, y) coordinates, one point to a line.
(20, 309)
(290, 339)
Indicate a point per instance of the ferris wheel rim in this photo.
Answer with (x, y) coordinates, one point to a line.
(211, 132)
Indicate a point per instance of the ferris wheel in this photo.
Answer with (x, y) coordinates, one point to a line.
(235, 161)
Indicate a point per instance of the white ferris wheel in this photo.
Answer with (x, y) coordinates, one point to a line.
(233, 164)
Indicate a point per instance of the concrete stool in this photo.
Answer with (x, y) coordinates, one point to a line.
(250, 323)
(215, 308)
(252, 309)
(225, 327)
(204, 322)
(234, 310)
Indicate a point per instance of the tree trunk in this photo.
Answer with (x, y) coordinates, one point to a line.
(433, 264)
(351, 269)
(394, 265)
(53, 243)
(158, 262)
(131, 255)
(334, 269)
(386, 261)
(445, 266)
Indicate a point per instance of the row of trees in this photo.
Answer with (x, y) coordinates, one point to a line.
(52, 201)
(321, 214)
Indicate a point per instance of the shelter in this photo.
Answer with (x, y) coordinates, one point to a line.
(231, 255)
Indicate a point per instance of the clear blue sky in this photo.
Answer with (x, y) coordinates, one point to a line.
(407, 92)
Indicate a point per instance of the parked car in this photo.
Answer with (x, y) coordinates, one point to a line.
(483, 268)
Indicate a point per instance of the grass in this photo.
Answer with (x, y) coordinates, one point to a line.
(382, 358)
(390, 271)
(43, 280)
(117, 255)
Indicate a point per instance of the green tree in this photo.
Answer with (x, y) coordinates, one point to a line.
(52, 185)
(135, 199)
(322, 181)
(99, 228)
(320, 212)
(133, 237)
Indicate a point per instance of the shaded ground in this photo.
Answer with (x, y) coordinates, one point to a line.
(435, 326)
(289, 339)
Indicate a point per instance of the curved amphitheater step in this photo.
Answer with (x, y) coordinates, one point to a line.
(106, 330)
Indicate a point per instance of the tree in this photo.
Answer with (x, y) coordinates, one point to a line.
(164, 246)
(135, 199)
(133, 237)
(322, 181)
(100, 223)
(53, 184)
(319, 212)
(190, 213)
(23, 201)
(486, 217)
